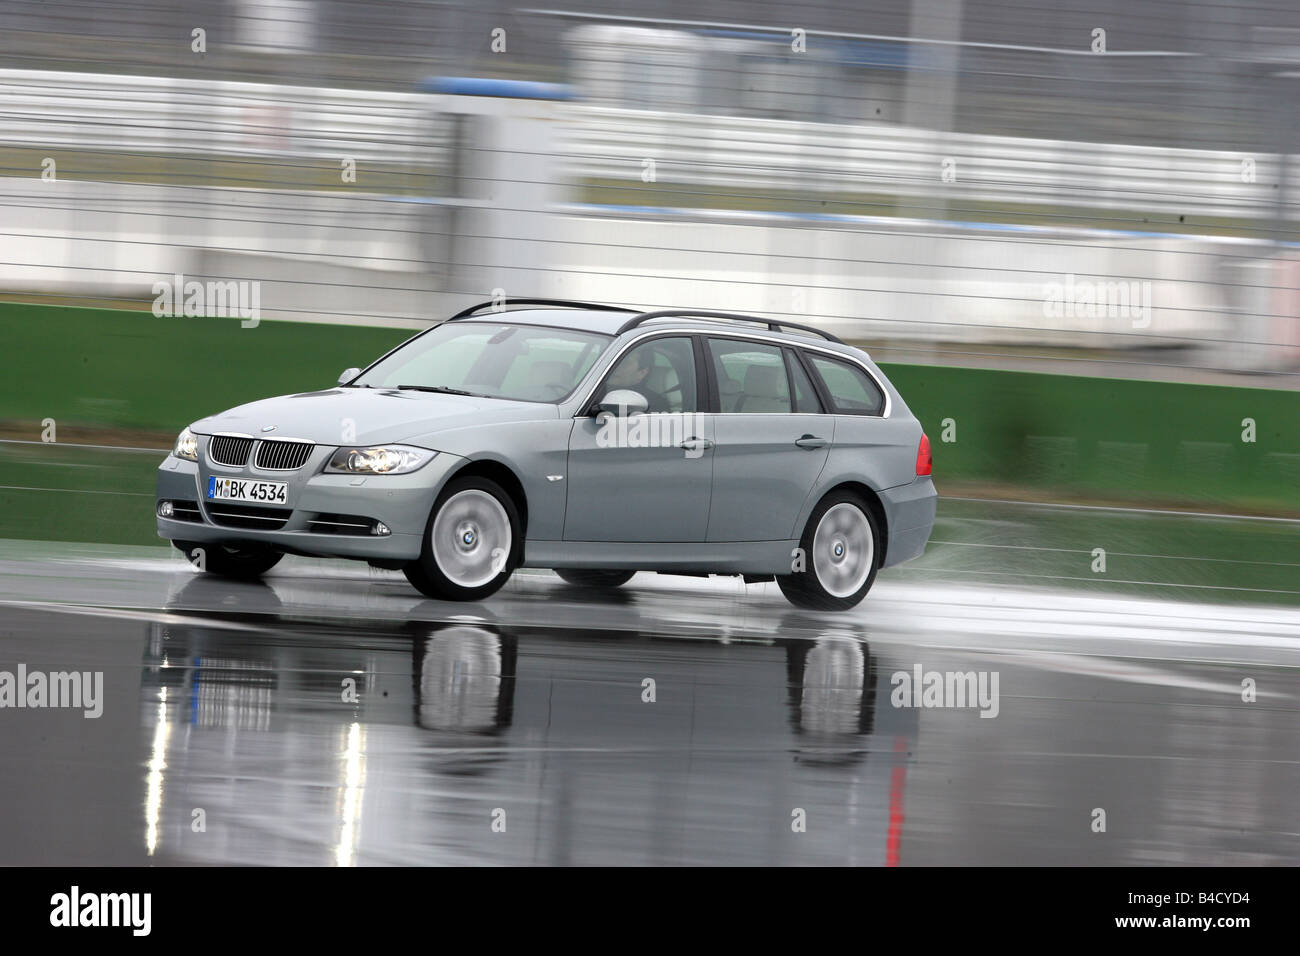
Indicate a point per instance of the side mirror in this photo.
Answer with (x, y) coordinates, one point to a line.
(623, 403)
(349, 374)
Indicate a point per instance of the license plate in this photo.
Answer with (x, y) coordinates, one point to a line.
(245, 489)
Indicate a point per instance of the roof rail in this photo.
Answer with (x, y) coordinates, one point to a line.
(773, 325)
(501, 304)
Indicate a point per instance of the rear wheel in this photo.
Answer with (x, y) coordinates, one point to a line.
(583, 578)
(471, 544)
(840, 551)
(229, 561)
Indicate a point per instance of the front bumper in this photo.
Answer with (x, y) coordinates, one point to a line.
(401, 502)
(909, 511)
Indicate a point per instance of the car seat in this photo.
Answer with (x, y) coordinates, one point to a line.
(555, 376)
(765, 390)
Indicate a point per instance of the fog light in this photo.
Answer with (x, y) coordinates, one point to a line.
(164, 509)
(381, 528)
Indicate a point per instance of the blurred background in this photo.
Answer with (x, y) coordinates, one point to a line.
(1069, 233)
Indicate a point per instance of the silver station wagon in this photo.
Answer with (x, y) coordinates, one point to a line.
(589, 439)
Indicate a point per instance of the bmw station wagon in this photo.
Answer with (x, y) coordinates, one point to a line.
(593, 440)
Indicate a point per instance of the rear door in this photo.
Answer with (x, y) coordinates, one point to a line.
(771, 437)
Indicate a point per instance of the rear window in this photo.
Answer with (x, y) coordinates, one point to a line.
(851, 389)
(752, 378)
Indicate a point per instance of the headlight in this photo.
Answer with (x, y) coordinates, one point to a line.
(381, 460)
(187, 446)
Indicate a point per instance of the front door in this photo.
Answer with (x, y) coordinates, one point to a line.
(644, 477)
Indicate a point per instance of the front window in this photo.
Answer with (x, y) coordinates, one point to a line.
(662, 371)
(519, 362)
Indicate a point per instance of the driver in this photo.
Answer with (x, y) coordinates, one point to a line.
(631, 373)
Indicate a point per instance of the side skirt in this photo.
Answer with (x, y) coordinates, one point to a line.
(702, 557)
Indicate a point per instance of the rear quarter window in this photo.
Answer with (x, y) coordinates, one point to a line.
(851, 390)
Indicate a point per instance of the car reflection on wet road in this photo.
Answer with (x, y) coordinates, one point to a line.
(558, 739)
(258, 724)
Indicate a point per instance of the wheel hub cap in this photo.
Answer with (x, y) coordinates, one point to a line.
(844, 550)
(470, 538)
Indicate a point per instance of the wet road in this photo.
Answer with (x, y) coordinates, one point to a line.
(333, 716)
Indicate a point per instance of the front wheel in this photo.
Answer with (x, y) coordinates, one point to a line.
(471, 545)
(583, 578)
(248, 561)
(839, 555)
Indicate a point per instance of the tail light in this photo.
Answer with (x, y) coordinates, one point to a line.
(923, 459)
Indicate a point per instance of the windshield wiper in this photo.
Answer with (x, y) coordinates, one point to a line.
(442, 389)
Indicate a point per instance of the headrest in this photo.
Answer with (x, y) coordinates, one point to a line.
(764, 381)
(549, 373)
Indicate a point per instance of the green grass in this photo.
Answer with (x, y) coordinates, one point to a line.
(1216, 560)
(120, 369)
(62, 493)
(1111, 439)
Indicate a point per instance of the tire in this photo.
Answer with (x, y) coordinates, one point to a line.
(831, 582)
(582, 578)
(454, 567)
(249, 561)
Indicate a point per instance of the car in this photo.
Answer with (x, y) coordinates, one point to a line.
(590, 439)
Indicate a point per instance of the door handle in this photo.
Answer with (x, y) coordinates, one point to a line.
(811, 441)
(696, 444)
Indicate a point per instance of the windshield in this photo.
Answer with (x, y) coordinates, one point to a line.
(520, 362)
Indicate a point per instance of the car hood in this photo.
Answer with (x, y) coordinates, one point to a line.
(367, 416)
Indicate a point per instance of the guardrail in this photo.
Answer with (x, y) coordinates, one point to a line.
(105, 112)
(99, 111)
(359, 254)
(738, 153)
